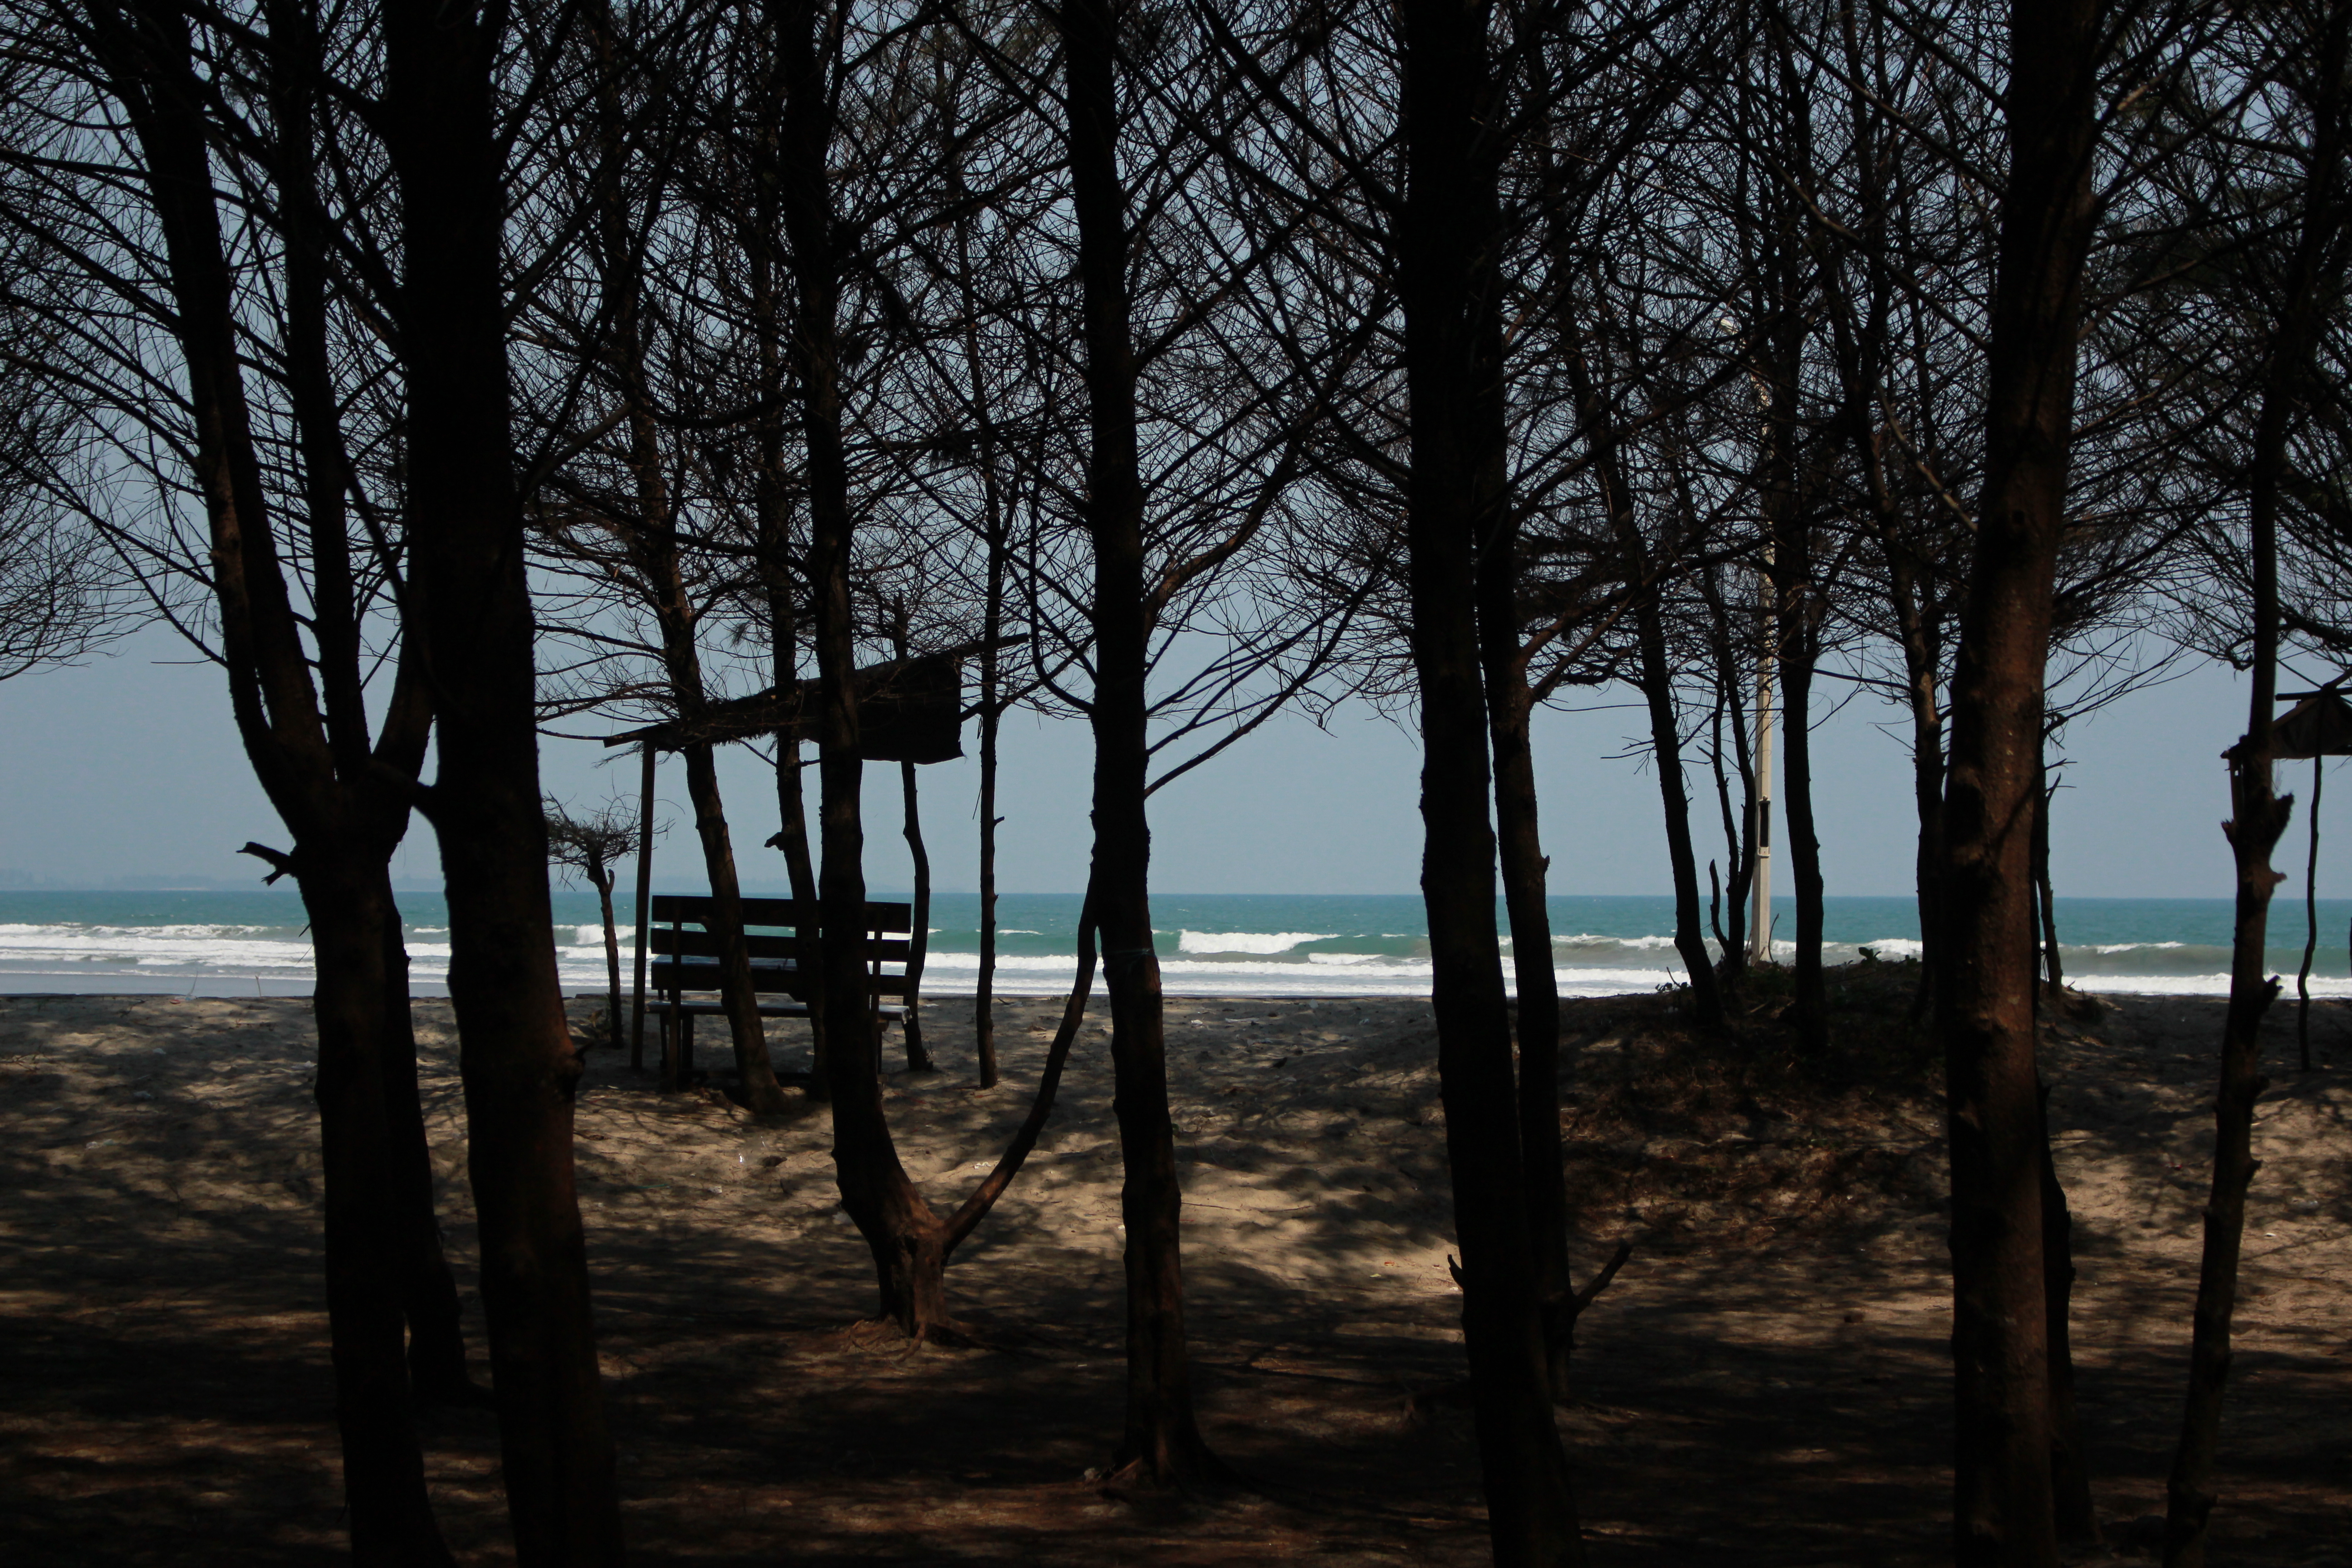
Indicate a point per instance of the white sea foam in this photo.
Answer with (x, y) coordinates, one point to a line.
(94, 957)
(1246, 940)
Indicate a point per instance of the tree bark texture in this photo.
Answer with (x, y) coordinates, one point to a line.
(2259, 814)
(1655, 680)
(653, 539)
(1797, 654)
(383, 1260)
(2001, 1485)
(469, 607)
(902, 1232)
(1519, 842)
(1161, 1442)
(1447, 235)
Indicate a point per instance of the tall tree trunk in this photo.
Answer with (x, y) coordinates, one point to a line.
(773, 490)
(1161, 1442)
(2259, 814)
(2002, 1486)
(370, 1245)
(470, 608)
(902, 1232)
(1654, 677)
(344, 826)
(1447, 238)
(991, 622)
(653, 542)
(1521, 845)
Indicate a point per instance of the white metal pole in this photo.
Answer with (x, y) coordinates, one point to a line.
(1759, 826)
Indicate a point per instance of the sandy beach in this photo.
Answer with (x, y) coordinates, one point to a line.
(1766, 1382)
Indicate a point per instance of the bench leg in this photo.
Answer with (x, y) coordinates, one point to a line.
(670, 1076)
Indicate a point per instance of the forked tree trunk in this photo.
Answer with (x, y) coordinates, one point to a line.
(1445, 238)
(2002, 1491)
(345, 825)
(469, 607)
(1730, 705)
(1160, 1443)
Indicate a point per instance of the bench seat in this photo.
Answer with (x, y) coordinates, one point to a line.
(682, 979)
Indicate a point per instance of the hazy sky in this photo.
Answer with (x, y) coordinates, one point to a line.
(127, 771)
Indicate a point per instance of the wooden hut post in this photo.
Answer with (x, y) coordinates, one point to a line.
(645, 905)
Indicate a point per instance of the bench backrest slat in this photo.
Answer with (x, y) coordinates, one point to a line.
(672, 909)
(692, 942)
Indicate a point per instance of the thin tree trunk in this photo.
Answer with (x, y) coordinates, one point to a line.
(993, 524)
(612, 958)
(755, 1070)
(2310, 926)
(902, 1232)
(1928, 799)
(983, 993)
(1730, 698)
(1655, 680)
(2053, 970)
(1161, 1443)
(1521, 845)
(770, 319)
(2002, 1502)
(653, 542)
(2259, 816)
(1454, 501)
(919, 1059)
(470, 606)
(1797, 656)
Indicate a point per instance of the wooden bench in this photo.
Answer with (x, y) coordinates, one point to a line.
(682, 979)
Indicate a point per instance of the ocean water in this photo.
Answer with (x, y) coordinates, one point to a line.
(254, 942)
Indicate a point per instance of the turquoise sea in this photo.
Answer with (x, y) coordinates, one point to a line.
(252, 942)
